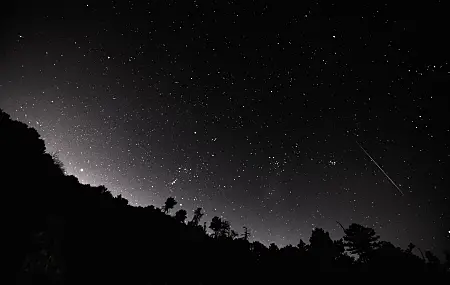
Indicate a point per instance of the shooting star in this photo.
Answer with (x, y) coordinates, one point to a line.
(385, 174)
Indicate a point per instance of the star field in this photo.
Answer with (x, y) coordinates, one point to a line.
(252, 110)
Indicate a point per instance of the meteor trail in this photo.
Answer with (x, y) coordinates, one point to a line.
(385, 174)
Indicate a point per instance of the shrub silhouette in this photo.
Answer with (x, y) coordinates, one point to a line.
(59, 231)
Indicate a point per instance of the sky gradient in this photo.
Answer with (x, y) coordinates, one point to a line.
(250, 109)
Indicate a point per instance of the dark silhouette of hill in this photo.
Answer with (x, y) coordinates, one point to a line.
(59, 231)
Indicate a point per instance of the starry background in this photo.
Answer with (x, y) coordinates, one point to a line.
(252, 110)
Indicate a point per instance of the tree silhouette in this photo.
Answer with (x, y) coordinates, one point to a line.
(320, 240)
(410, 248)
(121, 201)
(246, 233)
(338, 248)
(226, 229)
(181, 215)
(221, 228)
(233, 234)
(323, 250)
(273, 247)
(169, 204)
(302, 246)
(198, 214)
(360, 240)
(216, 226)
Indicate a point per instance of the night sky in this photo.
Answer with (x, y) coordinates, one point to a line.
(252, 110)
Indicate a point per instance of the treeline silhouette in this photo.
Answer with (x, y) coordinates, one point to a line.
(59, 231)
